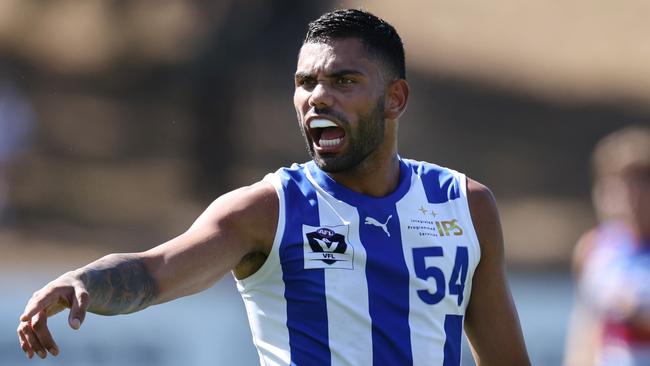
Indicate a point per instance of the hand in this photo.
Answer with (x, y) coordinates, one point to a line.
(67, 291)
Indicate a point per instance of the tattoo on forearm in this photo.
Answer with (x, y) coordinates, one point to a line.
(118, 284)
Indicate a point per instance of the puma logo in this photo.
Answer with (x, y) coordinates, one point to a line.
(384, 226)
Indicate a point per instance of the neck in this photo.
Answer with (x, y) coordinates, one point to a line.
(376, 176)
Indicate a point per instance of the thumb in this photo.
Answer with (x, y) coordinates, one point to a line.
(78, 309)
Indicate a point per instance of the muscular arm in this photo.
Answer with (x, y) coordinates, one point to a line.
(234, 234)
(492, 324)
(118, 284)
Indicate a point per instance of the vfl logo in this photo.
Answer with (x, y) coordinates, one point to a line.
(384, 226)
(325, 247)
(327, 242)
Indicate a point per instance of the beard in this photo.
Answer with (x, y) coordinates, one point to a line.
(361, 142)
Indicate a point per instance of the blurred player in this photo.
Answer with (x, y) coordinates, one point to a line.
(358, 257)
(611, 321)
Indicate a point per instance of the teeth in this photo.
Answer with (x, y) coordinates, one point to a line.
(321, 123)
(328, 143)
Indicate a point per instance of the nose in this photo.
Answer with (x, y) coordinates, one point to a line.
(320, 96)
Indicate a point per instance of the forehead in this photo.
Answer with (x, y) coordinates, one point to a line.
(344, 54)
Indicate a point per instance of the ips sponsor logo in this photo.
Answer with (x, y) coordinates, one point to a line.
(436, 228)
(326, 247)
(449, 227)
(426, 220)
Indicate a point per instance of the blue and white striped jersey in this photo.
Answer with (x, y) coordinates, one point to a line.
(359, 280)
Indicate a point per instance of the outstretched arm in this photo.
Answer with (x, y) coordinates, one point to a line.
(492, 324)
(231, 235)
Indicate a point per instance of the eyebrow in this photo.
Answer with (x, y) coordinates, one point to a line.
(305, 75)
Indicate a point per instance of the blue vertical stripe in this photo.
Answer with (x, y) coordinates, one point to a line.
(440, 184)
(304, 288)
(388, 287)
(454, 333)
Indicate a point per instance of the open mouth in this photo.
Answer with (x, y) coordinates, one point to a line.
(326, 134)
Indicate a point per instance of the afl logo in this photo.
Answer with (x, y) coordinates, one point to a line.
(325, 247)
(325, 232)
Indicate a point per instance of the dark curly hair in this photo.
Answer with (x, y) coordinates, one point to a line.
(378, 37)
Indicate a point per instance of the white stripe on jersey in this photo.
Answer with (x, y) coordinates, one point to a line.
(271, 340)
(349, 346)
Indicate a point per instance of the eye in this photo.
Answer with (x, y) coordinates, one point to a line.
(344, 80)
(306, 82)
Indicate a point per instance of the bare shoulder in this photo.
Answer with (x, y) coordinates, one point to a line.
(485, 215)
(255, 195)
(250, 212)
(258, 199)
(481, 199)
(479, 194)
(246, 219)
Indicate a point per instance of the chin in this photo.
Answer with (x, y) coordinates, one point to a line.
(326, 164)
(333, 164)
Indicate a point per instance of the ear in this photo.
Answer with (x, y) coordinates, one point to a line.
(397, 95)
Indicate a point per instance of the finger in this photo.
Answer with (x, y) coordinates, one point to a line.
(37, 303)
(78, 309)
(33, 341)
(39, 325)
(24, 344)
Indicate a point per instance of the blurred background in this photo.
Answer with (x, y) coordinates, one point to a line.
(120, 121)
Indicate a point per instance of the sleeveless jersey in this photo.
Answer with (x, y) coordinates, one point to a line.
(358, 280)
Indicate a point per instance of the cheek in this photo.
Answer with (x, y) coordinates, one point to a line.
(300, 98)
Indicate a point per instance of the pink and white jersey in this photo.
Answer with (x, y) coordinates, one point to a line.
(617, 272)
